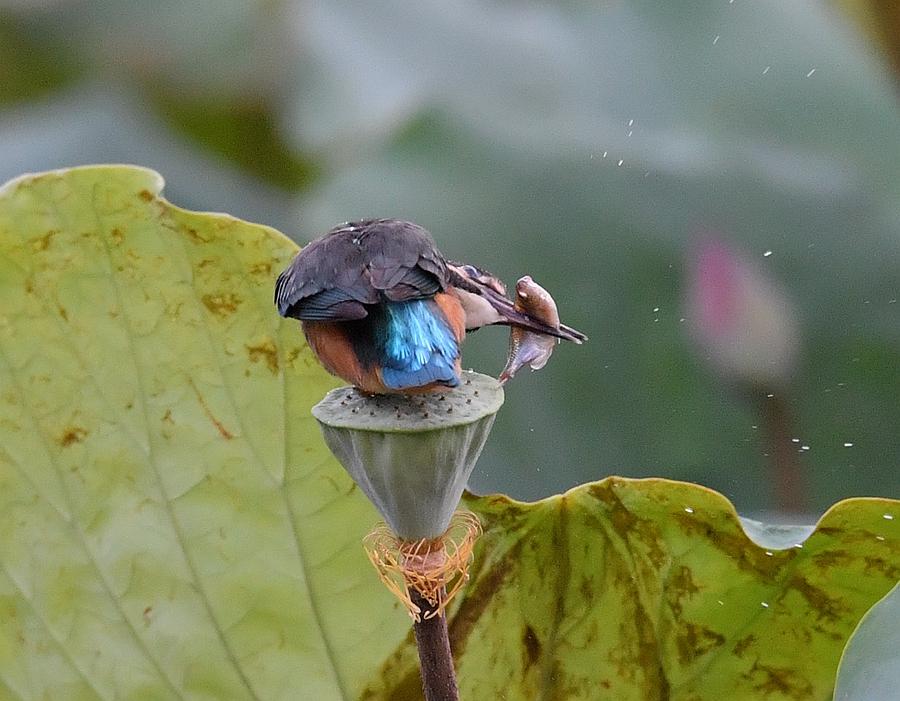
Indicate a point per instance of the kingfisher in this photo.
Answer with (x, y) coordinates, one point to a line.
(382, 309)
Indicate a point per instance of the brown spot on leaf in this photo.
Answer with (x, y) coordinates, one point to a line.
(531, 646)
(220, 427)
(828, 608)
(883, 567)
(63, 313)
(832, 558)
(195, 236)
(629, 527)
(734, 543)
(586, 589)
(148, 611)
(781, 680)
(261, 268)
(146, 195)
(695, 640)
(117, 236)
(740, 647)
(264, 351)
(222, 304)
(681, 586)
(72, 435)
(293, 354)
(42, 243)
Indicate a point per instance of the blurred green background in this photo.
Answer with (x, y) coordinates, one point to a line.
(584, 143)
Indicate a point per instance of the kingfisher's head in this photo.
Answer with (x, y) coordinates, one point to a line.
(478, 276)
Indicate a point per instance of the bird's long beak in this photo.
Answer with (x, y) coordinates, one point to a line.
(511, 316)
(475, 287)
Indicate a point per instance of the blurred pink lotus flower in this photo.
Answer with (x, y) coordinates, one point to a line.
(742, 322)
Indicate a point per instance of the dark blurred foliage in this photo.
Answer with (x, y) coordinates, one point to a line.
(880, 19)
(587, 144)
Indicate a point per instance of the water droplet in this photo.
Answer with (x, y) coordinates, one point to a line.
(716, 40)
(848, 445)
(767, 254)
(631, 122)
(879, 537)
(621, 161)
(630, 132)
(888, 517)
(798, 545)
(604, 153)
(770, 395)
(809, 75)
(766, 69)
(769, 553)
(688, 509)
(656, 309)
(720, 602)
(795, 440)
(764, 604)
(804, 447)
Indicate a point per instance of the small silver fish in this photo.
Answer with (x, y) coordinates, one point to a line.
(527, 347)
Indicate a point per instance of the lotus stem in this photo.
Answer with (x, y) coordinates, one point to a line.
(435, 657)
(787, 471)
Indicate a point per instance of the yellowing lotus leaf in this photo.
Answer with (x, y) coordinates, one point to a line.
(173, 527)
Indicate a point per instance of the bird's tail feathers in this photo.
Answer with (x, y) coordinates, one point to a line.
(435, 371)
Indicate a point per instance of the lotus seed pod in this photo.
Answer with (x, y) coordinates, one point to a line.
(412, 454)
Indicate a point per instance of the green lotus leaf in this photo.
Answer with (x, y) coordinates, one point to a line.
(173, 527)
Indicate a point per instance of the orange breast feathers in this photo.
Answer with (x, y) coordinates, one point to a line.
(449, 304)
